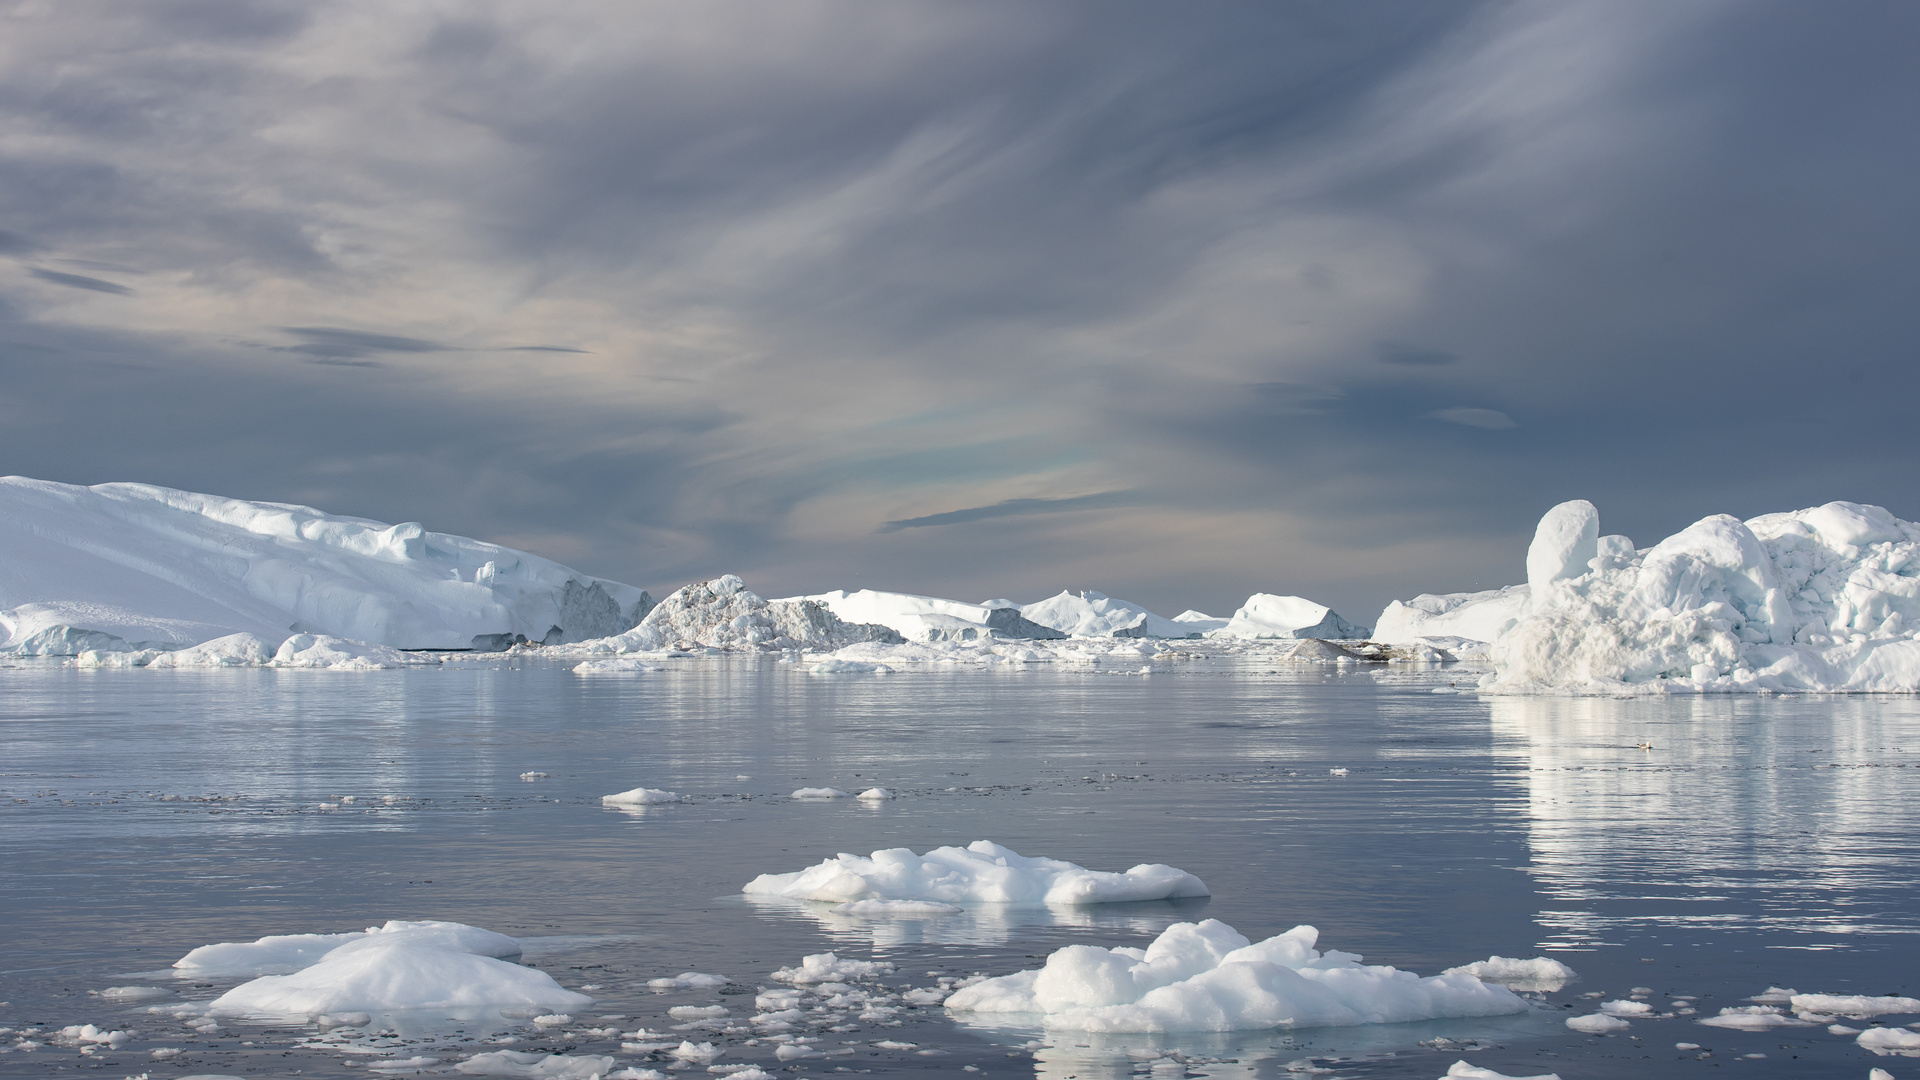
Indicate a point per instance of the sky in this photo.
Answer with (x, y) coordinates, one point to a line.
(1179, 302)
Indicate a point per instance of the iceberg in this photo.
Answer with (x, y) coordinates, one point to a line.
(1091, 614)
(981, 872)
(1825, 599)
(1266, 615)
(929, 618)
(126, 567)
(1473, 616)
(1206, 977)
(723, 614)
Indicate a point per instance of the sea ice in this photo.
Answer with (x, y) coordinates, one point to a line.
(1206, 977)
(1883, 1040)
(642, 796)
(341, 654)
(1597, 1024)
(875, 794)
(1265, 615)
(537, 1066)
(1467, 617)
(121, 567)
(981, 872)
(283, 953)
(378, 976)
(817, 793)
(1754, 1018)
(1537, 973)
(688, 980)
(1853, 1005)
(1460, 1070)
(829, 968)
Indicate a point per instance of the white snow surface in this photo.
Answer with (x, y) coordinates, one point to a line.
(1266, 615)
(283, 953)
(724, 614)
(1092, 614)
(1819, 600)
(981, 872)
(125, 566)
(1537, 973)
(1207, 977)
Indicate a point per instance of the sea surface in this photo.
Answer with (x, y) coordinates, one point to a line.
(1701, 849)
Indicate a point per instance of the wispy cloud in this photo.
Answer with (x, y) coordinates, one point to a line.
(80, 281)
(1016, 508)
(1469, 416)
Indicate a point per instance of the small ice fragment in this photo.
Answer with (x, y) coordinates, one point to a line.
(875, 794)
(829, 968)
(1597, 1023)
(1853, 1005)
(1753, 1018)
(553, 1019)
(536, 1066)
(794, 1051)
(1879, 1074)
(1842, 1029)
(134, 993)
(699, 1053)
(415, 1064)
(818, 793)
(1537, 973)
(1686, 1046)
(1626, 1008)
(981, 872)
(642, 796)
(533, 776)
(688, 980)
(698, 1012)
(1773, 995)
(1337, 772)
(1890, 1041)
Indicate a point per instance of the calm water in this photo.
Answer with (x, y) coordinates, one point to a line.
(1760, 842)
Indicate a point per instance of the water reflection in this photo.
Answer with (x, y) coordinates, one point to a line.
(1770, 814)
(979, 924)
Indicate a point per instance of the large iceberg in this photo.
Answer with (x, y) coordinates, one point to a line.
(1266, 615)
(929, 618)
(723, 614)
(1207, 977)
(1090, 614)
(1825, 599)
(128, 566)
(981, 872)
(1475, 616)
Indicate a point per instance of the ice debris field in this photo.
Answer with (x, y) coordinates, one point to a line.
(1825, 599)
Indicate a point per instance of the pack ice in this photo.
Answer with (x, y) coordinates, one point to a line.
(121, 567)
(1825, 599)
(981, 872)
(398, 966)
(1205, 976)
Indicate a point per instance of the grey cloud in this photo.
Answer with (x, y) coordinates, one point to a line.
(1470, 416)
(1016, 508)
(1414, 355)
(80, 281)
(330, 342)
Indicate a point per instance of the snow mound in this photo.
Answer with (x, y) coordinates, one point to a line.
(340, 654)
(642, 796)
(121, 567)
(1538, 973)
(283, 953)
(723, 614)
(1207, 977)
(1265, 615)
(929, 618)
(537, 1066)
(1475, 616)
(981, 872)
(1091, 614)
(1461, 1070)
(1819, 600)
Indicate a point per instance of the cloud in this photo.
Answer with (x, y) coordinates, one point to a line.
(1413, 355)
(1015, 508)
(329, 342)
(80, 281)
(1490, 419)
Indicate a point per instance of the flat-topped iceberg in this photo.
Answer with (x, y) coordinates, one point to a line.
(123, 567)
(929, 618)
(1266, 615)
(1824, 599)
(981, 872)
(724, 614)
(1207, 977)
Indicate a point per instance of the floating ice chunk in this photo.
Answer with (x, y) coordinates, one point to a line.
(896, 909)
(320, 651)
(135, 993)
(688, 980)
(380, 976)
(642, 796)
(696, 1053)
(1537, 973)
(87, 1034)
(414, 1064)
(1338, 772)
(1774, 995)
(537, 1066)
(283, 953)
(817, 793)
(794, 1051)
(1597, 1024)
(1853, 1005)
(829, 967)
(1206, 977)
(1460, 1070)
(1753, 1018)
(234, 650)
(981, 872)
(875, 794)
(531, 776)
(619, 665)
(1879, 1074)
(699, 1012)
(1626, 1008)
(832, 666)
(1883, 1040)
(1265, 615)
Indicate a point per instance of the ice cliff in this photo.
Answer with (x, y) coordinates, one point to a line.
(1825, 599)
(127, 566)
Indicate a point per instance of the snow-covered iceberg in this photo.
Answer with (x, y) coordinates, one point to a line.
(1091, 614)
(929, 618)
(1475, 616)
(981, 872)
(723, 614)
(400, 966)
(1207, 977)
(1266, 615)
(128, 566)
(1825, 599)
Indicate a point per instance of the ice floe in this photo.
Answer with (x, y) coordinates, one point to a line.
(1461, 1070)
(1882, 1040)
(122, 567)
(282, 953)
(1597, 1023)
(642, 796)
(1754, 1018)
(875, 794)
(1537, 973)
(533, 1066)
(1853, 1006)
(981, 872)
(1207, 977)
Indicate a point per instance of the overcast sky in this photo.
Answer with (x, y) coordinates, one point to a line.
(1175, 301)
